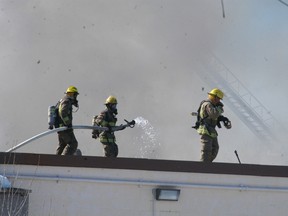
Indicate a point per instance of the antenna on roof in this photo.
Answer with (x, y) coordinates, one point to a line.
(237, 156)
(223, 11)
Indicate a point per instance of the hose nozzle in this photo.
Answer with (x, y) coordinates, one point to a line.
(131, 124)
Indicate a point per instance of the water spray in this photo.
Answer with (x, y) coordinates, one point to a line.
(149, 143)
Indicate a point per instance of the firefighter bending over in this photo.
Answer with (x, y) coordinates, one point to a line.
(67, 141)
(209, 116)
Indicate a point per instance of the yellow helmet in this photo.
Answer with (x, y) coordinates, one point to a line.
(216, 92)
(111, 100)
(72, 89)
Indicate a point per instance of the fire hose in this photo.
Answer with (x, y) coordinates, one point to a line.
(45, 133)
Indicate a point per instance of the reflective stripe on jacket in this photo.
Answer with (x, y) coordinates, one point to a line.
(209, 114)
(65, 111)
(106, 119)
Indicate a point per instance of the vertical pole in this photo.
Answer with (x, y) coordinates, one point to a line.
(237, 156)
(223, 10)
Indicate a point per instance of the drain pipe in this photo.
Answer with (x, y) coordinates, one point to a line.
(239, 187)
(54, 131)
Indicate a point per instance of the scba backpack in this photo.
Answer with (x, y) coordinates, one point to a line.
(95, 132)
(53, 116)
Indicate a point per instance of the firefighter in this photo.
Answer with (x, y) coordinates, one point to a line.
(67, 141)
(210, 115)
(107, 118)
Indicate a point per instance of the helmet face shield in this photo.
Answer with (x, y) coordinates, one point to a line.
(112, 107)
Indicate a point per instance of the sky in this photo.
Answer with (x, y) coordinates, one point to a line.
(149, 55)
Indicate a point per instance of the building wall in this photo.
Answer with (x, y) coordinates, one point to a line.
(14, 201)
(69, 191)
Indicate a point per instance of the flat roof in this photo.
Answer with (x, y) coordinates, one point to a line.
(142, 164)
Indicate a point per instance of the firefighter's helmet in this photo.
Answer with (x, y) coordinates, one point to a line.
(217, 92)
(72, 89)
(111, 100)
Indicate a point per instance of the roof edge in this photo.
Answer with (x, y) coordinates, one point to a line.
(142, 164)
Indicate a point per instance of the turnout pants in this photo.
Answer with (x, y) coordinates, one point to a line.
(209, 148)
(67, 143)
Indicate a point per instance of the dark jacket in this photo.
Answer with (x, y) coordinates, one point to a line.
(106, 119)
(209, 114)
(65, 111)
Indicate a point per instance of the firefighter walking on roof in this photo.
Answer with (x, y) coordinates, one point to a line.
(209, 116)
(67, 141)
(107, 118)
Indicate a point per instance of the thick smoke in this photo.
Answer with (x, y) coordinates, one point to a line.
(146, 53)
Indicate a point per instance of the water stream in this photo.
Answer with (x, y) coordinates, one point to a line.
(147, 141)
